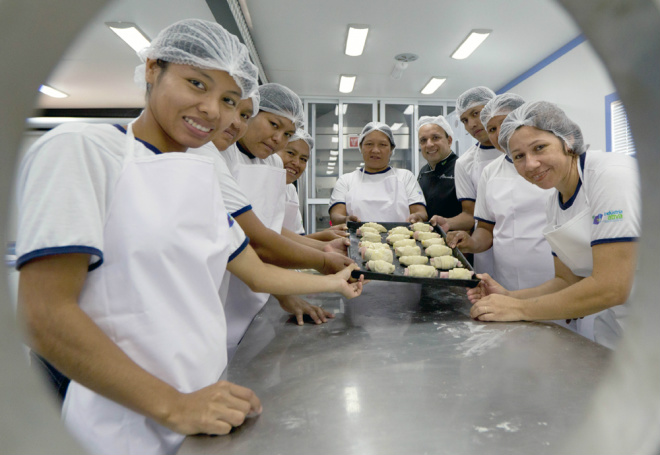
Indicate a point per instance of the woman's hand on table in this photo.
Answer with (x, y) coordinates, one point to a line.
(486, 287)
(442, 222)
(300, 307)
(497, 307)
(461, 240)
(215, 409)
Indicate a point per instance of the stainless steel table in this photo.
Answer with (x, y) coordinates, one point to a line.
(404, 370)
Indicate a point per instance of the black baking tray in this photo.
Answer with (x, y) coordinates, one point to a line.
(354, 253)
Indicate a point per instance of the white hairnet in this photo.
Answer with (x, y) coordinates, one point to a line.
(476, 96)
(256, 99)
(280, 100)
(377, 126)
(500, 105)
(544, 116)
(439, 120)
(302, 135)
(205, 45)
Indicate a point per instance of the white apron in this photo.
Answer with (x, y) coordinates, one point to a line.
(291, 213)
(156, 295)
(265, 187)
(571, 242)
(522, 258)
(483, 262)
(385, 200)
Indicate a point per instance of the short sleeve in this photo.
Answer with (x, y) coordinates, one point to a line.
(340, 190)
(465, 189)
(238, 241)
(481, 209)
(614, 199)
(413, 190)
(62, 192)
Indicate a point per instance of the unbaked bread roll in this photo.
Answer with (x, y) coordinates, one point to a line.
(401, 230)
(370, 237)
(376, 226)
(404, 242)
(422, 227)
(438, 250)
(366, 244)
(410, 260)
(426, 235)
(421, 271)
(371, 254)
(396, 237)
(408, 251)
(381, 267)
(366, 230)
(445, 262)
(433, 241)
(458, 274)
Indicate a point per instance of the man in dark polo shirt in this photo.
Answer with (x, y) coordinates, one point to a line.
(437, 177)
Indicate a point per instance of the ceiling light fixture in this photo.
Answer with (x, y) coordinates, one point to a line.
(334, 139)
(334, 152)
(470, 43)
(329, 172)
(409, 110)
(335, 127)
(333, 158)
(130, 33)
(356, 39)
(433, 85)
(50, 91)
(346, 83)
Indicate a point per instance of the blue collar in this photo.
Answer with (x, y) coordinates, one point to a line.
(374, 173)
(569, 203)
(244, 151)
(146, 144)
(506, 157)
(486, 147)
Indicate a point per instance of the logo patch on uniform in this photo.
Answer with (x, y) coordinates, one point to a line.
(608, 217)
(230, 220)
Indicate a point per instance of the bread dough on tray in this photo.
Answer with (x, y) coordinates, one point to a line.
(408, 251)
(422, 227)
(374, 254)
(445, 262)
(370, 237)
(421, 271)
(381, 267)
(433, 241)
(410, 260)
(458, 274)
(426, 235)
(396, 237)
(376, 226)
(401, 230)
(438, 250)
(366, 230)
(404, 242)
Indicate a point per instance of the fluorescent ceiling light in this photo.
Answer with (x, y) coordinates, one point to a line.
(333, 158)
(130, 33)
(355, 39)
(346, 83)
(409, 110)
(50, 91)
(329, 172)
(334, 152)
(334, 139)
(335, 127)
(433, 85)
(343, 109)
(396, 126)
(469, 44)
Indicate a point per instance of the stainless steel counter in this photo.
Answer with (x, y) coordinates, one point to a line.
(404, 370)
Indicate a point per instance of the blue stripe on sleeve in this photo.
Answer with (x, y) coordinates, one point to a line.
(467, 199)
(485, 221)
(43, 252)
(241, 211)
(238, 250)
(336, 203)
(616, 240)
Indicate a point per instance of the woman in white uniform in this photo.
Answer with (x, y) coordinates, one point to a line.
(123, 241)
(510, 213)
(468, 168)
(377, 192)
(593, 223)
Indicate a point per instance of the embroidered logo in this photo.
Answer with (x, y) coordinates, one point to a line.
(230, 220)
(608, 217)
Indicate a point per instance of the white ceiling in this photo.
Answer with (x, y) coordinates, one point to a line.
(301, 43)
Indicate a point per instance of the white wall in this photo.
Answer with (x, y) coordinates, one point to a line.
(578, 83)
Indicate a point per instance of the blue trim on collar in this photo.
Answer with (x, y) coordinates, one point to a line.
(569, 203)
(153, 148)
(374, 173)
(486, 147)
(583, 160)
(506, 157)
(69, 249)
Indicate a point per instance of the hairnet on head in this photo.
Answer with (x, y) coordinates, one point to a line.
(302, 135)
(255, 97)
(377, 126)
(544, 116)
(205, 45)
(501, 105)
(280, 100)
(476, 96)
(439, 120)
